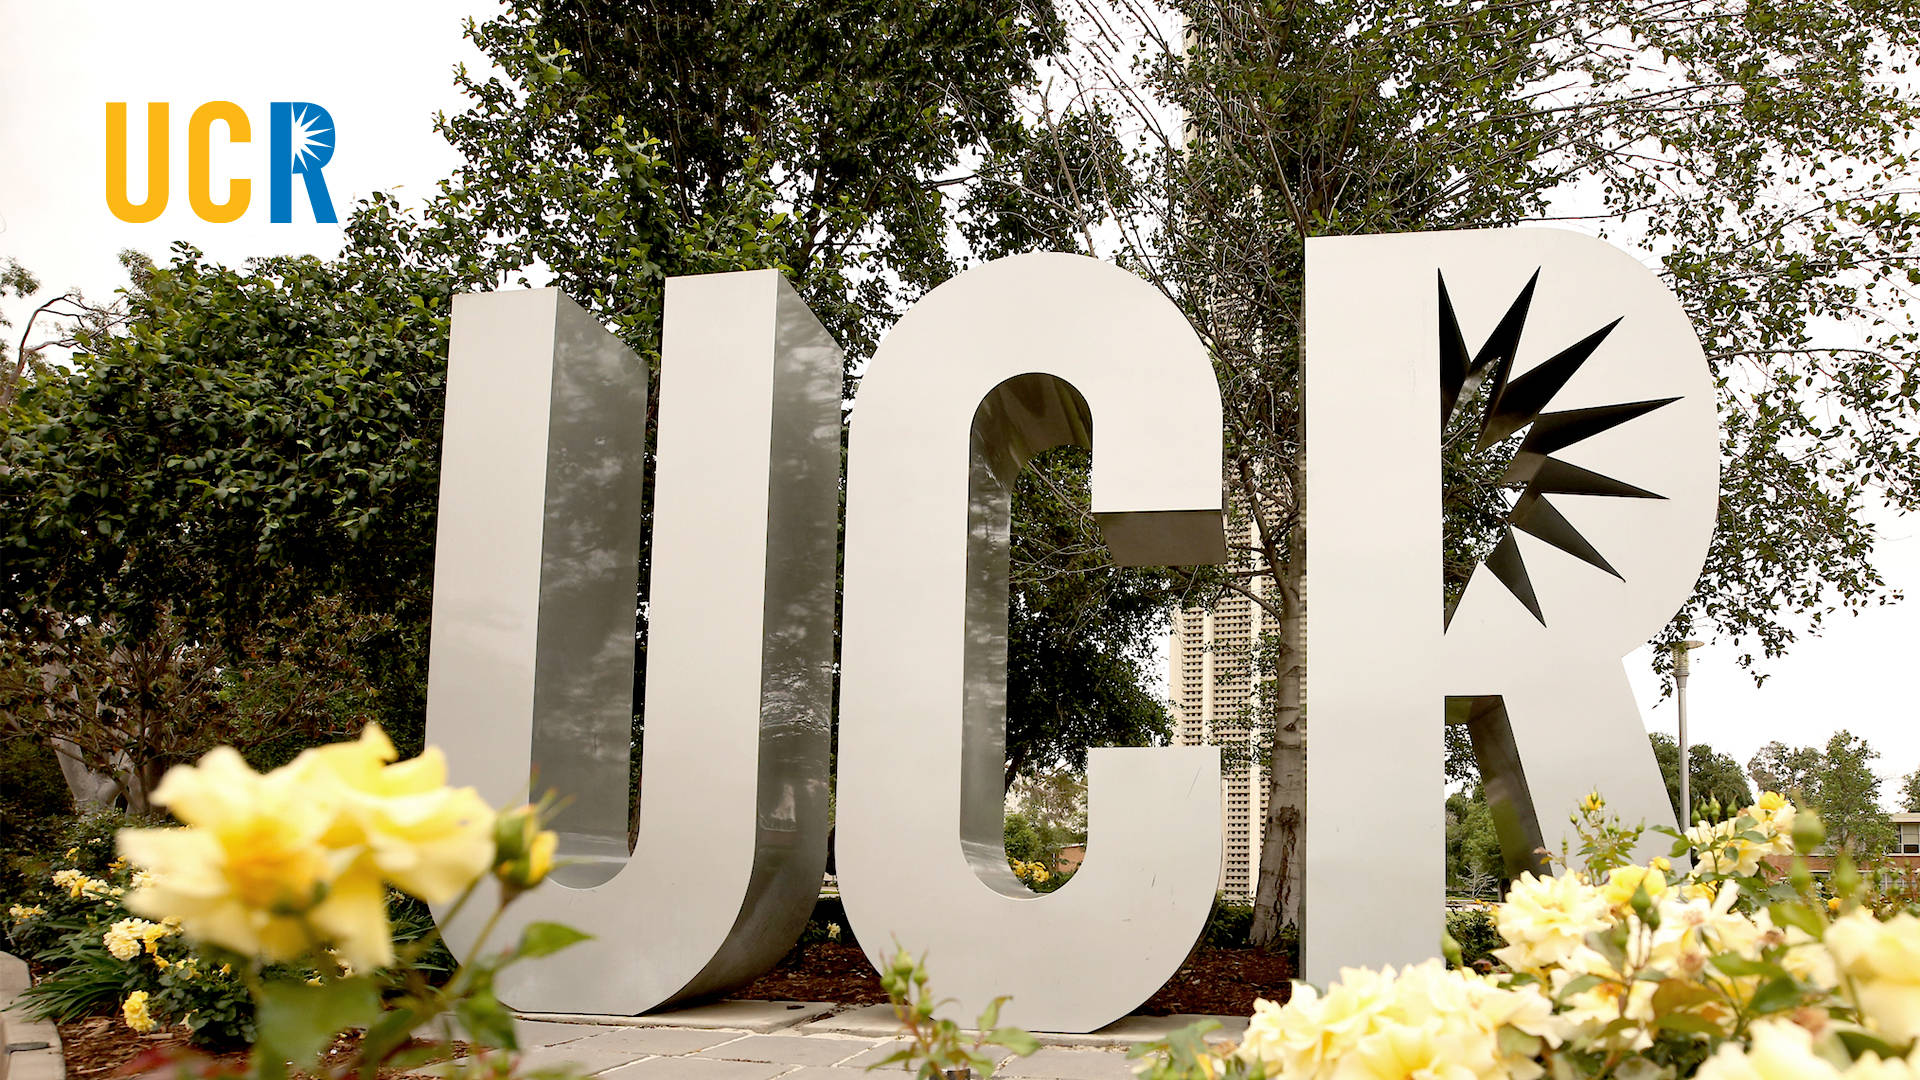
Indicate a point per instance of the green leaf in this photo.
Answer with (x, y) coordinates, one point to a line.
(1639, 1068)
(1859, 1042)
(1739, 966)
(297, 1022)
(1015, 1039)
(486, 1020)
(1516, 1043)
(1775, 996)
(1579, 986)
(545, 939)
(392, 1029)
(1797, 915)
(1688, 1024)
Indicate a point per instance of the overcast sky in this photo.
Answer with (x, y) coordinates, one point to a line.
(382, 69)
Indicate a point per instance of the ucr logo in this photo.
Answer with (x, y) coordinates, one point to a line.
(301, 143)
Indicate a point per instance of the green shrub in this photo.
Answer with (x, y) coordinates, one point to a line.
(66, 920)
(1474, 930)
(828, 923)
(33, 803)
(1229, 924)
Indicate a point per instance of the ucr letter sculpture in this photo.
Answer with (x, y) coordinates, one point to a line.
(1617, 478)
(1584, 358)
(990, 369)
(533, 625)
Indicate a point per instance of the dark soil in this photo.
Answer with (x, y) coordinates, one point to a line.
(1221, 982)
(103, 1047)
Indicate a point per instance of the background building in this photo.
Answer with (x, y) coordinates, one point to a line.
(1211, 657)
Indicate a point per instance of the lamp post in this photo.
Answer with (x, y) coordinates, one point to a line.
(1682, 650)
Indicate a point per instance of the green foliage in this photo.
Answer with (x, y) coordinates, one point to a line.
(856, 135)
(1712, 776)
(934, 1045)
(1848, 797)
(1079, 630)
(186, 496)
(63, 928)
(1186, 1053)
(1910, 792)
(1473, 930)
(1475, 865)
(828, 923)
(1791, 771)
(1023, 840)
(1757, 160)
(34, 802)
(1228, 923)
(1836, 780)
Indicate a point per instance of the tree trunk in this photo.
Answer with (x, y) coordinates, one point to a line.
(91, 790)
(1283, 851)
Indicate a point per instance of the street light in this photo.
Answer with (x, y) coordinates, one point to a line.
(1681, 651)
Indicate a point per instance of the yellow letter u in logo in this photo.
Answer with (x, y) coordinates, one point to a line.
(124, 208)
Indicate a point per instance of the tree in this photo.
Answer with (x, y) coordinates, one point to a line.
(1846, 792)
(1837, 781)
(1079, 629)
(1757, 156)
(1474, 861)
(1056, 803)
(1910, 792)
(1712, 776)
(1793, 771)
(842, 160)
(258, 439)
(1024, 842)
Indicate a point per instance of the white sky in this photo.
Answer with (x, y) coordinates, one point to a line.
(382, 69)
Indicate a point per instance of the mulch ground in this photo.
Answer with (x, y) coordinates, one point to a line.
(1223, 982)
(102, 1047)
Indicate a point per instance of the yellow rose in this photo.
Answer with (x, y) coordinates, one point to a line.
(1883, 959)
(127, 938)
(523, 851)
(429, 839)
(1624, 881)
(250, 871)
(134, 1012)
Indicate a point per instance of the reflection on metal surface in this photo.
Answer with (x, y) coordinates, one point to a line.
(533, 628)
(1548, 706)
(995, 366)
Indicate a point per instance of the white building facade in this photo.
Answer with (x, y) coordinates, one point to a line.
(1211, 681)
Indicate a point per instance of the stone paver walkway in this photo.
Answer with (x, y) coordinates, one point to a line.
(726, 1040)
(32, 1046)
(771, 1040)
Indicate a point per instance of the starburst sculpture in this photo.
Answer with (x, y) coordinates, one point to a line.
(1512, 404)
(308, 138)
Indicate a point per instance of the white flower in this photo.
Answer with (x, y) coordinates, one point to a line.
(1883, 959)
(1546, 920)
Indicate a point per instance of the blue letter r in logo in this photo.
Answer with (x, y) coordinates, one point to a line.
(302, 143)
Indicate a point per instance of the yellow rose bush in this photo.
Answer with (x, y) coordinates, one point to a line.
(280, 882)
(100, 955)
(1731, 970)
